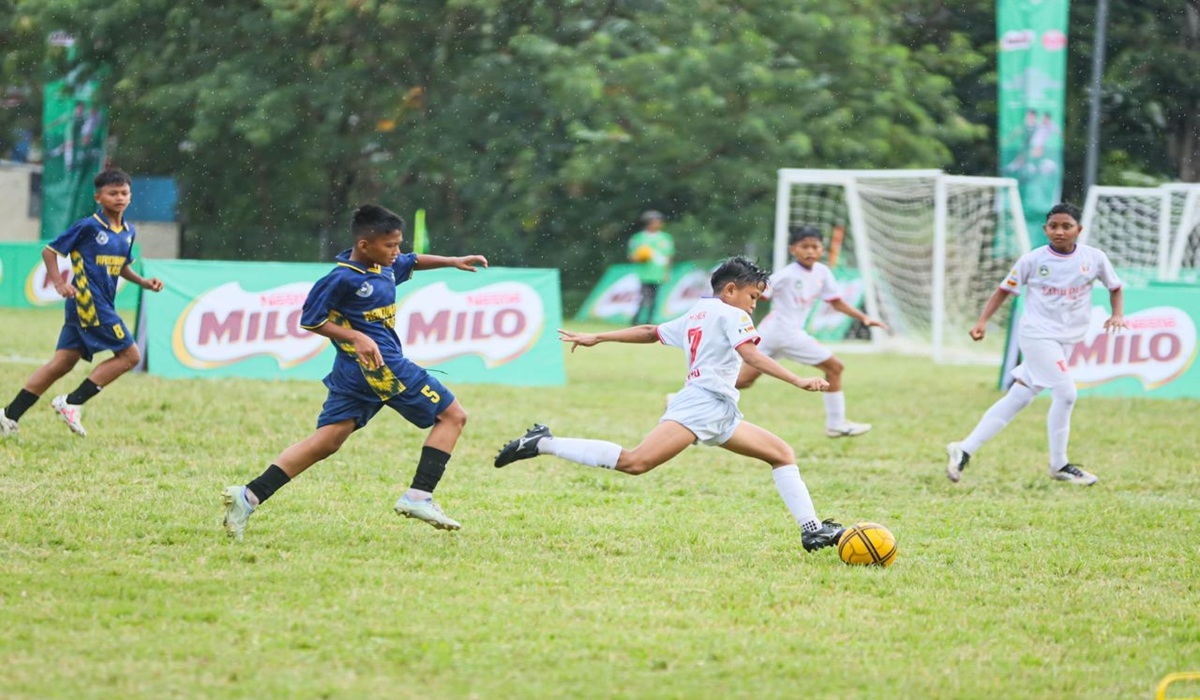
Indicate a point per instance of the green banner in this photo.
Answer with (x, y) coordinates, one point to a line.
(74, 132)
(616, 296)
(1154, 358)
(242, 319)
(23, 282)
(1032, 43)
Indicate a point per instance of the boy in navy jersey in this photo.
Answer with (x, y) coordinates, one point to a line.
(355, 307)
(99, 248)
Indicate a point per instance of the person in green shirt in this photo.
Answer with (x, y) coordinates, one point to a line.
(651, 249)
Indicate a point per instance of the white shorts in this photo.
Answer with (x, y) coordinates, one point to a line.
(802, 348)
(711, 417)
(1043, 363)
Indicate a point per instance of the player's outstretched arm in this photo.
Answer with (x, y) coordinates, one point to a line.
(993, 304)
(50, 257)
(1116, 299)
(857, 315)
(154, 284)
(754, 357)
(462, 262)
(633, 334)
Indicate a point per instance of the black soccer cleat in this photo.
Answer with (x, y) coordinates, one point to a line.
(523, 447)
(827, 536)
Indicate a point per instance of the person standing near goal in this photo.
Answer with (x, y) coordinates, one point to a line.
(793, 291)
(718, 335)
(1059, 279)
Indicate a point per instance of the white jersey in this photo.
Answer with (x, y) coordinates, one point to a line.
(1059, 303)
(794, 292)
(710, 333)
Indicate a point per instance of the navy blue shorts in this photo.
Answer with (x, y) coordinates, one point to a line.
(421, 402)
(93, 339)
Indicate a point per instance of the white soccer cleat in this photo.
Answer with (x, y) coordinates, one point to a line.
(70, 413)
(848, 429)
(425, 509)
(8, 426)
(237, 511)
(956, 462)
(1073, 474)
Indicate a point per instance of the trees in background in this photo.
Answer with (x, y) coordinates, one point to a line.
(537, 131)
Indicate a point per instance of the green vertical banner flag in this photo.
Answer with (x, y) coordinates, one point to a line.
(1032, 43)
(420, 235)
(74, 131)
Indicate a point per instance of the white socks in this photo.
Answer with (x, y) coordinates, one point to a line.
(1058, 422)
(835, 409)
(795, 495)
(998, 416)
(589, 453)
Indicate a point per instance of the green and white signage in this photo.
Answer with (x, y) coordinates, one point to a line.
(241, 319)
(24, 284)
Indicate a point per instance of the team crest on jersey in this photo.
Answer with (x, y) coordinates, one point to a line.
(365, 290)
(1085, 268)
(1044, 270)
(102, 238)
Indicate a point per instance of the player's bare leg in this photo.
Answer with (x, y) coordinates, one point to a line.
(418, 501)
(753, 441)
(659, 446)
(836, 424)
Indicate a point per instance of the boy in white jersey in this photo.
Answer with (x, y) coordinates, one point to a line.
(718, 335)
(793, 291)
(1059, 279)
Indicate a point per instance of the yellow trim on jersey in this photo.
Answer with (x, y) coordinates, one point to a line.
(373, 270)
(109, 226)
(309, 328)
(57, 253)
(85, 305)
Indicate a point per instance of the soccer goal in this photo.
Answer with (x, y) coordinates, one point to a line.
(1149, 233)
(929, 248)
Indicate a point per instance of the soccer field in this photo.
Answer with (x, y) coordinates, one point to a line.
(569, 582)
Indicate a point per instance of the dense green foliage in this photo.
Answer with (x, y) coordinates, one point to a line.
(572, 582)
(536, 131)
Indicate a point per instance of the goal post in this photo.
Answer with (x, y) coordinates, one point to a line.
(1149, 233)
(928, 248)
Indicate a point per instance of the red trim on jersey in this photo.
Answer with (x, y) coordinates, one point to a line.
(659, 336)
(830, 301)
(1015, 291)
(1057, 254)
(755, 339)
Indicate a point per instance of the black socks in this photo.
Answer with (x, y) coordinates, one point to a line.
(268, 483)
(20, 405)
(85, 391)
(430, 469)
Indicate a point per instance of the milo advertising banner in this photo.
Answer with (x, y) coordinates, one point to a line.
(616, 296)
(24, 284)
(1153, 358)
(242, 319)
(1032, 64)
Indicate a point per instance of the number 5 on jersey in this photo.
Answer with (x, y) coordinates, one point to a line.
(434, 397)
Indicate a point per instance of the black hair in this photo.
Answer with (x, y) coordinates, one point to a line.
(1065, 208)
(741, 271)
(650, 215)
(112, 176)
(799, 233)
(372, 221)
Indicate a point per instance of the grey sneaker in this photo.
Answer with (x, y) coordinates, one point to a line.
(70, 413)
(957, 462)
(827, 536)
(237, 510)
(848, 429)
(523, 447)
(1073, 474)
(8, 426)
(425, 509)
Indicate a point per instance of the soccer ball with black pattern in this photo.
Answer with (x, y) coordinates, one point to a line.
(867, 544)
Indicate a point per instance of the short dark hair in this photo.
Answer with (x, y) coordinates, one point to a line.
(112, 176)
(372, 221)
(799, 233)
(741, 271)
(650, 215)
(1065, 208)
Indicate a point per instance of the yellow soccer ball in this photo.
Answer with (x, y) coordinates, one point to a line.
(643, 253)
(867, 544)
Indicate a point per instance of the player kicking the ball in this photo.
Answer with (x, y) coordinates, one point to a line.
(1059, 279)
(718, 335)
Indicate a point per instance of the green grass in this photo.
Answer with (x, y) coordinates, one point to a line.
(689, 582)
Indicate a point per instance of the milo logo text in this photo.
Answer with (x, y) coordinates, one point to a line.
(1158, 347)
(499, 322)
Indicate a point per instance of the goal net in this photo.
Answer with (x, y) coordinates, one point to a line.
(928, 248)
(1149, 233)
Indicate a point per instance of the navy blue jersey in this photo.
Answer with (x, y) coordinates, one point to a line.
(364, 299)
(97, 252)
